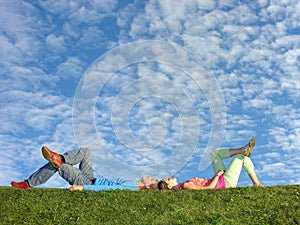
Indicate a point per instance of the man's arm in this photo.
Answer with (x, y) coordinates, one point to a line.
(103, 187)
(76, 188)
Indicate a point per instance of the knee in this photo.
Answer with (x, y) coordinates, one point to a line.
(240, 156)
(85, 151)
(214, 153)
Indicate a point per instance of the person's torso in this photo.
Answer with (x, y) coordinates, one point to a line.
(199, 181)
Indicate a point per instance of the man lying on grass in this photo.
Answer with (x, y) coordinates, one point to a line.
(224, 177)
(82, 178)
(84, 175)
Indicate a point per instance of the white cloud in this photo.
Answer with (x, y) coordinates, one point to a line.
(60, 6)
(272, 169)
(206, 5)
(19, 41)
(72, 67)
(92, 37)
(55, 43)
(227, 3)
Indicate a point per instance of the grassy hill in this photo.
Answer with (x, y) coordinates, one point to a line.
(245, 205)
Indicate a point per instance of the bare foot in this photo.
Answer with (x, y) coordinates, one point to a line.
(258, 185)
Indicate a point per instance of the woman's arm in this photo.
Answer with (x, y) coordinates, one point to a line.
(213, 183)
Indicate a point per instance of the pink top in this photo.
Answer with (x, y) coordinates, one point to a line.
(221, 182)
(203, 182)
(199, 181)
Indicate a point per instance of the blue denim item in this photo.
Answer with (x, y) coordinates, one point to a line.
(104, 184)
(80, 176)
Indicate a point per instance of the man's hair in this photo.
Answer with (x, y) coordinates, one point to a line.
(162, 185)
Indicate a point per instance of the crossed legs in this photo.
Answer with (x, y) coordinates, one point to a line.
(82, 175)
(232, 173)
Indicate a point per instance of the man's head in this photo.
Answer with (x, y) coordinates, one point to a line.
(147, 180)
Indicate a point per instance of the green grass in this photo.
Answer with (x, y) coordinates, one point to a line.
(245, 205)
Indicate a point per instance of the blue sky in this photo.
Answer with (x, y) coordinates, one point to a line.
(150, 86)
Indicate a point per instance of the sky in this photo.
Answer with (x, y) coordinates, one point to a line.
(151, 87)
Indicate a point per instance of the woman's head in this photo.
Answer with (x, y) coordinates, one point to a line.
(167, 184)
(162, 185)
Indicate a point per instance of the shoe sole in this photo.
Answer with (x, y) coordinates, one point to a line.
(251, 146)
(47, 155)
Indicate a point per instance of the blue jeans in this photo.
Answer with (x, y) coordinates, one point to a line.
(80, 176)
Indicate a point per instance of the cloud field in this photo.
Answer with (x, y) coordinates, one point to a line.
(150, 86)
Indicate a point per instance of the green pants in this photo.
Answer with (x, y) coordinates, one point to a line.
(232, 173)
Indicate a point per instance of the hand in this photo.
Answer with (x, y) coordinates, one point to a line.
(76, 187)
(220, 172)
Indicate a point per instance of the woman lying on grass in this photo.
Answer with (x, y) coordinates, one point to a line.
(81, 178)
(224, 177)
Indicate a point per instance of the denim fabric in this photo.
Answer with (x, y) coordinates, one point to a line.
(104, 184)
(80, 176)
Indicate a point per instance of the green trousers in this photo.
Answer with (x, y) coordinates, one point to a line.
(232, 173)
